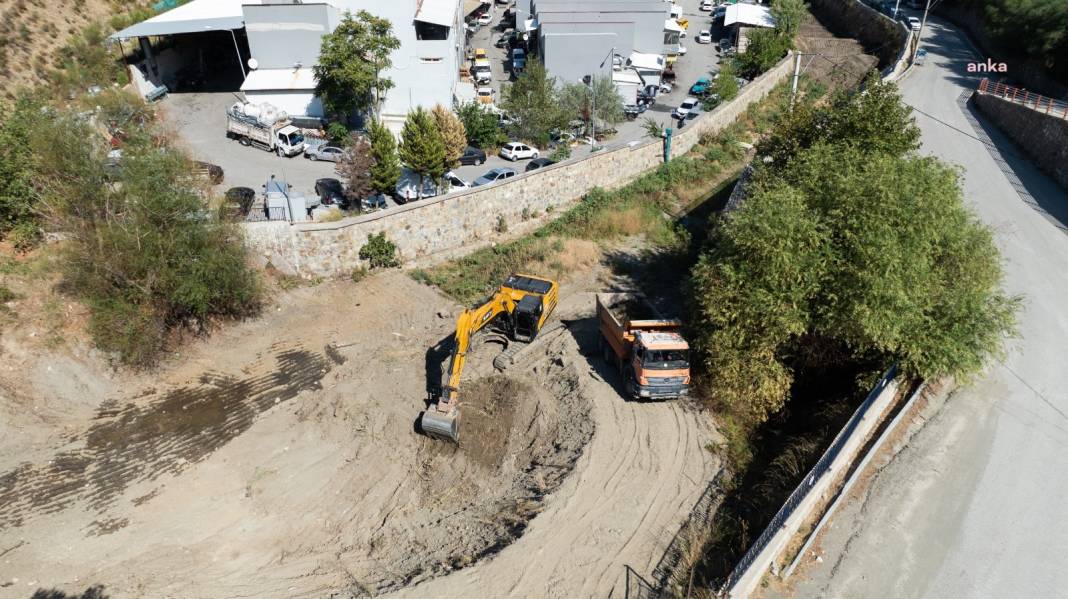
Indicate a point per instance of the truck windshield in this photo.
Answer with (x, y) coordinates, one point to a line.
(666, 359)
(295, 139)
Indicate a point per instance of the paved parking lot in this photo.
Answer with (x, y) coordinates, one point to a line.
(199, 119)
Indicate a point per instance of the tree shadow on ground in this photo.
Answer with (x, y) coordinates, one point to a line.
(94, 592)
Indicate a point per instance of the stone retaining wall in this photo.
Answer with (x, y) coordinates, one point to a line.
(445, 224)
(1041, 136)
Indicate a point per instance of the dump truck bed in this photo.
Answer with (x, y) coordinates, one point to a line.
(629, 312)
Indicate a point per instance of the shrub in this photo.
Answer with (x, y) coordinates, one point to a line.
(502, 224)
(379, 252)
(338, 133)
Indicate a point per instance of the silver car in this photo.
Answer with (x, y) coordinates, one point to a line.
(330, 153)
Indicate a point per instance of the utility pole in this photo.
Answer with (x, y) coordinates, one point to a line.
(919, 34)
(797, 75)
(897, 5)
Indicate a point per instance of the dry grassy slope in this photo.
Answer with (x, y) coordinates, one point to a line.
(33, 31)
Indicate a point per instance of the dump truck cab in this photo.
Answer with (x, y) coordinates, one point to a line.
(661, 365)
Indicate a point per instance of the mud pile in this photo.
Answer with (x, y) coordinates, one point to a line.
(521, 435)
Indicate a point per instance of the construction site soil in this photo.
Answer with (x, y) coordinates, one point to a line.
(279, 458)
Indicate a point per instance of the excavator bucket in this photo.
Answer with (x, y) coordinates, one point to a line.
(441, 425)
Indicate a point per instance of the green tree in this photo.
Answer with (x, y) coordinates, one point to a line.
(600, 99)
(826, 262)
(765, 48)
(482, 126)
(453, 134)
(533, 103)
(788, 15)
(725, 85)
(379, 251)
(351, 61)
(356, 167)
(874, 121)
(385, 168)
(18, 195)
(142, 251)
(422, 148)
(1031, 29)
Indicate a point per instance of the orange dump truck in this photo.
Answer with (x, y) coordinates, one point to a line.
(646, 347)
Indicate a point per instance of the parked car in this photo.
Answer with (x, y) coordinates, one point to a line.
(719, 13)
(537, 163)
(454, 183)
(688, 105)
(485, 95)
(480, 54)
(514, 150)
(472, 155)
(633, 111)
(238, 201)
(372, 203)
(519, 59)
(331, 192)
(701, 87)
(504, 41)
(681, 51)
(665, 87)
(493, 175)
(725, 44)
(329, 153)
(484, 19)
(921, 56)
(706, 6)
(482, 73)
(704, 37)
(914, 24)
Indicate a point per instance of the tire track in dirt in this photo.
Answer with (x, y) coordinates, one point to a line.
(157, 435)
(642, 471)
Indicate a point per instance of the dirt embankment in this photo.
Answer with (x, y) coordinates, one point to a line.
(279, 459)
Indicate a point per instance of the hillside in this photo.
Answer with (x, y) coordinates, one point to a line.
(33, 33)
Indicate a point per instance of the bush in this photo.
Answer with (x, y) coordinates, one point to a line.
(379, 252)
(338, 134)
(142, 250)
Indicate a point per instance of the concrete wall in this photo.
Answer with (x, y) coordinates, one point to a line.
(569, 55)
(451, 223)
(1043, 137)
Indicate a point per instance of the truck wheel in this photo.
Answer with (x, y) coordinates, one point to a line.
(631, 383)
(244, 141)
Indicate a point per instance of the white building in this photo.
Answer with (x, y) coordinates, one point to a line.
(276, 43)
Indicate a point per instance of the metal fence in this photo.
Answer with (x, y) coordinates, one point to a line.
(815, 474)
(1024, 97)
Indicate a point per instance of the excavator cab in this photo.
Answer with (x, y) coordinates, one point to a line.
(523, 303)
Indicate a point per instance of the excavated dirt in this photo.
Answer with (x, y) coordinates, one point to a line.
(283, 451)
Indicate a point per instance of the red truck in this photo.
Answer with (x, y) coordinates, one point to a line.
(645, 347)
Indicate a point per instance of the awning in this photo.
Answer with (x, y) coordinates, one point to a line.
(471, 6)
(672, 25)
(279, 79)
(438, 12)
(196, 16)
(647, 61)
(626, 77)
(748, 14)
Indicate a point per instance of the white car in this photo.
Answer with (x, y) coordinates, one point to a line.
(665, 87)
(484, 19)
(514, 150)
(454, 183)
(688, 105)
(682, 50)
(704, 37)
(914, 23)
(707, 5)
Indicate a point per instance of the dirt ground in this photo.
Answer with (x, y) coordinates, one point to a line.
(278, 458)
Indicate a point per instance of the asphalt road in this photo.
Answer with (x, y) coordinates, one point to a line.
(975, 505)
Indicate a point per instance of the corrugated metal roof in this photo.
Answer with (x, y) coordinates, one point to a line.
(748, 14)
(196, 16)
(279, 79)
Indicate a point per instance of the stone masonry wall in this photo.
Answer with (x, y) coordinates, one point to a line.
(879, 34)
(1041, 136)
(447, 223)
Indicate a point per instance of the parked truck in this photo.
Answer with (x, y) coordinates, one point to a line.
(645, 347)
(265, 127)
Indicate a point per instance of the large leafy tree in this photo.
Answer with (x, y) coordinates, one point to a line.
(534, 104)
(848, 247)
(351, 61)
(482, 126)
(1032, 29)
(599, 100)
(453, 134)
(874, 120)
(422, 148)
(355, 166)
(385, 168)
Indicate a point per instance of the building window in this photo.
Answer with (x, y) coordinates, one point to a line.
(430, 31)
(671, 38)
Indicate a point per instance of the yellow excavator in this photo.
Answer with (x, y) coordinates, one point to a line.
(519, 308)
